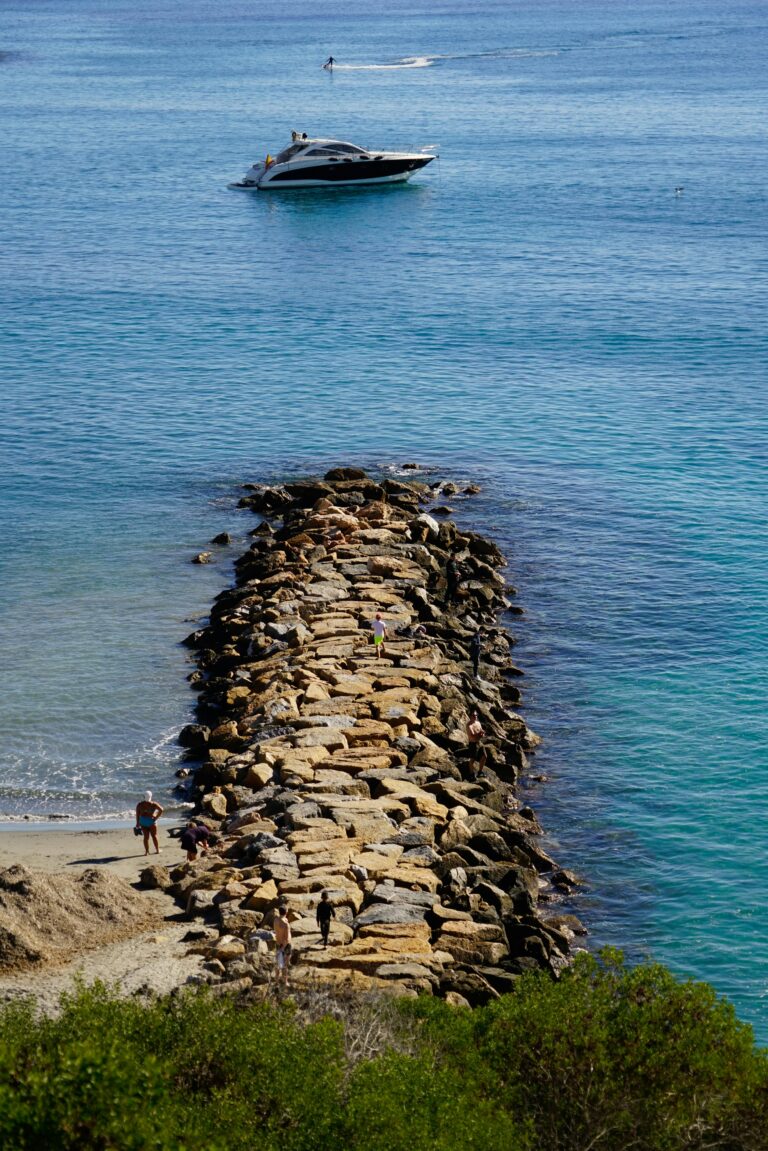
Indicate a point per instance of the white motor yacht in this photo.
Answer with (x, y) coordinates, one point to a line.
(321, 163)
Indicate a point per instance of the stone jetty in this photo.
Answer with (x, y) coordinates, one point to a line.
(324, 768)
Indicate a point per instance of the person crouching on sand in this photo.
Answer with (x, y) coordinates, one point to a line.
(193, 836)
(148, 811)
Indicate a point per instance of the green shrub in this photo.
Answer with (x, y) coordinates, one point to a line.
(614, 1058)
(606, 1059)
(401, 1103)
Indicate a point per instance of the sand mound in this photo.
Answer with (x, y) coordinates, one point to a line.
(47, 918)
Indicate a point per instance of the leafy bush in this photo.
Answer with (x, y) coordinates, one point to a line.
(614, 1058)
(608, 1058)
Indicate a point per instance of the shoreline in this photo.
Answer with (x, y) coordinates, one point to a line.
(325, 763)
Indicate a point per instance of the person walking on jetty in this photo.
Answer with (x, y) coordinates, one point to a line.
(477, 751)
(475, 651)
(325, 913)
(283, 937)
(379, 634)
(452, 577)
(148, 811)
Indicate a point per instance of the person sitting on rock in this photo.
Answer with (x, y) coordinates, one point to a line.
(193, 836)
(325, 913)
(477, 750)
(148, 811)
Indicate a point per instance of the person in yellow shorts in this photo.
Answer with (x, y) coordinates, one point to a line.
(379, 634)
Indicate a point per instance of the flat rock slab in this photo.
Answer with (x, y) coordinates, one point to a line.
(402, 896)
(406, 971)
(321, 737)
(389, 913)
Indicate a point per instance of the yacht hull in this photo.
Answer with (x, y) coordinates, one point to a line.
(345, 173)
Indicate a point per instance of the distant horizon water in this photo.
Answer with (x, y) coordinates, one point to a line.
(539, 312)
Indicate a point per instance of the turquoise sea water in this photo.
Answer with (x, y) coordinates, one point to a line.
(540, 313)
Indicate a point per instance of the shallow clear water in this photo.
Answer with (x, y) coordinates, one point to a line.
(539, 312)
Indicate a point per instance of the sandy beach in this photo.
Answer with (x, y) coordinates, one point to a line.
(154, 959)
(60, 849)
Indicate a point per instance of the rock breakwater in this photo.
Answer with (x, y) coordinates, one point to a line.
(326, 763)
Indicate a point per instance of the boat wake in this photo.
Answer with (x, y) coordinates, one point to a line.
(395, 65)
(430, 61)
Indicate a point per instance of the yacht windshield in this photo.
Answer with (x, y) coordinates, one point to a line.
(350, 149)
(288, 152)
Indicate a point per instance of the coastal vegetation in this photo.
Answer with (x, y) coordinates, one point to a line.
(606, 1057)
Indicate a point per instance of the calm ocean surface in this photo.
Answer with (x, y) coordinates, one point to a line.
(539, 313)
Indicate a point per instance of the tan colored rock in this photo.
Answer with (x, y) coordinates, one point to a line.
(410, 931)
(263, 897)
(338, 782)
(246, 822)
(228, 947)
(259, 775)
(238, 695)
(336, 648)
(374, 536)
(306, 927)
(315, 827)
(420, 802)
(327, 737)
(334, 851)
(453, 999)
(469, 929)
(350, 685)
(334, 626)
(316, 837)
(294, 772)
(417, 878)
(354, 765)
(376, 865)
(310, 755)
(393, 567)
(455, 834)
(371, 757)
(370, 828)
(358, 708)
(230, 892)
(218, 755)
(340, 980)
(315, 693)
(473, 950)
(370, 733)
(215, 805)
